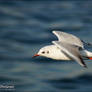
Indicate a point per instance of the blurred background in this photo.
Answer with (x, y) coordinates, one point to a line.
(25, 27)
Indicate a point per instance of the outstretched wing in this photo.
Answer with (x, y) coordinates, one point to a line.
(71, 51)
(68, 38)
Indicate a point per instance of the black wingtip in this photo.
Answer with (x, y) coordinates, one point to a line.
(85, 66)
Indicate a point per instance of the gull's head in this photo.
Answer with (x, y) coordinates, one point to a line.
(51, 51)
(45, 51)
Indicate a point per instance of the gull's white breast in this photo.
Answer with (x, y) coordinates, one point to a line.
(56, 53)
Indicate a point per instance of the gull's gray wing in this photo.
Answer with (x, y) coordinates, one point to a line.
(68, 38)
(71, 51)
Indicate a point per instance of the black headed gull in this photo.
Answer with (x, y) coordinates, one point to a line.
(68, 47)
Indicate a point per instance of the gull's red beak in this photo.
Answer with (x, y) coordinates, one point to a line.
(35, 55)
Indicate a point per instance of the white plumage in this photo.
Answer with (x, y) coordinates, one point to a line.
(68, 47)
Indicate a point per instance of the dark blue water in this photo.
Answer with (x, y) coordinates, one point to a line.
(26, 26)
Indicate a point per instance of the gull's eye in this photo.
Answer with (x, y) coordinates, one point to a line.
(43, 52)
(48, 52)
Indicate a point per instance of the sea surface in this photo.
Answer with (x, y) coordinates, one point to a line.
(25, 27)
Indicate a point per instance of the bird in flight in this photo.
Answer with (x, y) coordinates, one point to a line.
(68, 47)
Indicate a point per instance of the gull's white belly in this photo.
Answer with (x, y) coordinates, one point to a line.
(61, 56)
(58, 54)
